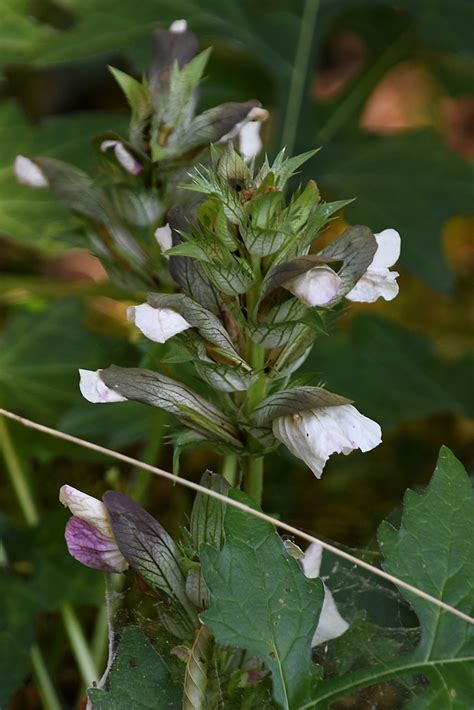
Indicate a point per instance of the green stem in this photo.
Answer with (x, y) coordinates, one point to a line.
(298, 75)
(44, 684)
(79, 645)
(27, 504)
(229, 468)
(17, 476)
(253, 477)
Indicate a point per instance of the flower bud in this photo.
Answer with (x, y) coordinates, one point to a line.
(95, 390)
(88, 534)
(124, 157)
(179, 26)
(28, 173)
(163, 236)
(316, 287)
(157, 324)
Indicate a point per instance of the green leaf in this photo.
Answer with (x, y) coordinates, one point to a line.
(394, 374)
(206, 525)
(262, 602)
(139, 678)
(152, 388)
(398, 181)
(433, 550)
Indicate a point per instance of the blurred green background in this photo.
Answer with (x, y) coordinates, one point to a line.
(386, 89)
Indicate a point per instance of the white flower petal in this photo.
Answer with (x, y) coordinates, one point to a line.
(312, 560)
(86, 507)
(95, 390)
(248, 131)
(388, 249)
(164, 238)
(316, 434)
(179, 26)
(378, 281)
(374, 285)
(316, 287)
(157, 324)
(330, 624)
(124, 157)
(250, 143)
(28, 173)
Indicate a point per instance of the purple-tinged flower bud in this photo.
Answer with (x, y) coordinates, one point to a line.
(88, 534)
(28, 173)
(124, 157)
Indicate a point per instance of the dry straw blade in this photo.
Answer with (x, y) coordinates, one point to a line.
(241, 506)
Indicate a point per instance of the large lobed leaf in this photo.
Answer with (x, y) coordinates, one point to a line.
(262, 602)
(433, 550)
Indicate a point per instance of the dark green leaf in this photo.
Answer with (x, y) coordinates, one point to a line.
(261, 601)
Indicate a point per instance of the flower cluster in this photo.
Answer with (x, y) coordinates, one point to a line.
(253, 290)
(123, 206)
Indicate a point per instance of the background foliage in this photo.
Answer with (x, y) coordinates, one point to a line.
(384, 88)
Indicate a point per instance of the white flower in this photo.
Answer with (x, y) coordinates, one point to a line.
(89, 534)
(164, 238)
(28, 173)
(316, 287)
(124, 157)
(248, 131)
(330, 624)
(157, 324)
(95, 390)
(378, 281)
(315, 434)
(179, 26)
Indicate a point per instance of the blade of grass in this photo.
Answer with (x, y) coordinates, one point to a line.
(30, 512)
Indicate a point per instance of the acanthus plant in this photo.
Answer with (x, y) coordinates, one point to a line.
(242, 286)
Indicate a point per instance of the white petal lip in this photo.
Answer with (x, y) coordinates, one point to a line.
(179, 26)
(330, 624)
(316, 287)
(95, 390)
(315, 434)
(157, 324)
(164, 238)
(248, 131)
(86, 507)
(250, 143)
(28, 173)
(379, 281)
(124, 157)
